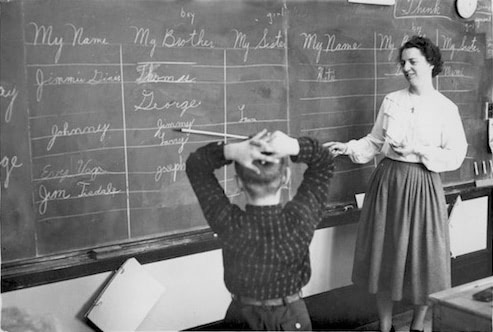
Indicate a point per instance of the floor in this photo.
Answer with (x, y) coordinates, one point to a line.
(401, 322)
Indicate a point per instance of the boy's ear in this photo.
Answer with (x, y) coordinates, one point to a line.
(239, 183)
(286, 176)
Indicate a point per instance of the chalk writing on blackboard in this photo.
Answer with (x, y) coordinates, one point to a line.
(10, 95)
(92, 97)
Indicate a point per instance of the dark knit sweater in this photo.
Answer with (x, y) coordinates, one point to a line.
(265, 248)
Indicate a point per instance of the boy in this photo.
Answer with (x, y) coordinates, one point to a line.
(266, 246)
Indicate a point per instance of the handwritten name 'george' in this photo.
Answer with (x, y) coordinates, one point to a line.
(148, 104)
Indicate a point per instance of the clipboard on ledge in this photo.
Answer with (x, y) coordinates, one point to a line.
(126, 299)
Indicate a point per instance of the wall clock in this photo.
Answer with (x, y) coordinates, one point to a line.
(466, 8)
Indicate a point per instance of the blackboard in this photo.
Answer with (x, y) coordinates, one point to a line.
(92, 89)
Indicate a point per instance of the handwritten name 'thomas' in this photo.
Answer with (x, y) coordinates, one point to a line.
(148, 75)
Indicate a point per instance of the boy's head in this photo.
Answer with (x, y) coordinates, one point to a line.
(269, 180)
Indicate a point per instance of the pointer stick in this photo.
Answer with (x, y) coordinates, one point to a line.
(210, 133)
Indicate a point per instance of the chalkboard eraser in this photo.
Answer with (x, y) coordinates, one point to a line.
(484, 182)
(105, 252)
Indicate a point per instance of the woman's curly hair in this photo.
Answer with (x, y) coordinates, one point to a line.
(429, 50)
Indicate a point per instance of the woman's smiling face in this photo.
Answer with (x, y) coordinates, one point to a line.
(415, 67)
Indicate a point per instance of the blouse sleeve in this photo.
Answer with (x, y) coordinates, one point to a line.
(450, 155)
(365, 149)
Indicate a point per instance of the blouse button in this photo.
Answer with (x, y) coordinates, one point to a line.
(297, 325)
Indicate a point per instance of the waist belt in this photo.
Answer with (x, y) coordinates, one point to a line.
(270, 302)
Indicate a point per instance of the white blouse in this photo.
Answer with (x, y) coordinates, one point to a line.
(431, 124)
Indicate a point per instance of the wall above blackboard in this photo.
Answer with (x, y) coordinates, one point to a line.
(92, 90)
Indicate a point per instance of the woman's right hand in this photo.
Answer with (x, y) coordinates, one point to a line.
(336, 148)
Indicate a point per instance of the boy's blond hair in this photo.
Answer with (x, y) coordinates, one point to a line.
(269, 179)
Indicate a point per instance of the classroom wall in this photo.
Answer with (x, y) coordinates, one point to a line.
(195, 292)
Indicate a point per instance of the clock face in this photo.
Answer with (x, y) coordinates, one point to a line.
(466, 8)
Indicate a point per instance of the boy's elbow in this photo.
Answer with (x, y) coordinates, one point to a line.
(190, 162)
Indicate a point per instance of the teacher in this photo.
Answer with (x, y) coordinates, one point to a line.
(402, 247)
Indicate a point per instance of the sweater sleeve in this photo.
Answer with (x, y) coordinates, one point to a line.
(313, 193)
(365, 149)
(200, 167)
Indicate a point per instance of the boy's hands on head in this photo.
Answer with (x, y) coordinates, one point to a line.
(279, 145)
(247, 151)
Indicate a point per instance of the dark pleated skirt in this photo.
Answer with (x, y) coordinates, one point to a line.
(403, 244)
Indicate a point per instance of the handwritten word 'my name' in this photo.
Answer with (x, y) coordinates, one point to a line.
(148, 104)
(311, 42)
(43, 35)
(66, 132)
(9, 164)
(12, 95)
